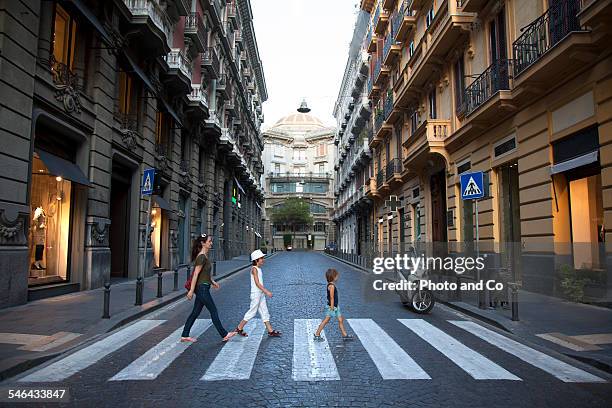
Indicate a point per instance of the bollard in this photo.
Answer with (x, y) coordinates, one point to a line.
(159, 284)
(214, 268)
(106, 314)
(514, 289)
(175, 279)
(138, 291)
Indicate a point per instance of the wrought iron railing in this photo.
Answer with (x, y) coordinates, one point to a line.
(377, 69)
(545, 32)
(495, 78)
(393, 167)
(388, 104)
(379, 118)
(194, 25)
(380, 178)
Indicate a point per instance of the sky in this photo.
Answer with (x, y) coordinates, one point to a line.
(303, 45)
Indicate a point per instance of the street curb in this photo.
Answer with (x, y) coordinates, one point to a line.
(149, 307)
(355, 266)
(476, 315)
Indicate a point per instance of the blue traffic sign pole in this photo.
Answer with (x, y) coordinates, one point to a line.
(147, 190)
(472, 188)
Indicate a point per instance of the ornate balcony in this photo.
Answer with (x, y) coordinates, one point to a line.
(179, 70)
(548, 46)
(156, 26)
(391, 50)
(194, 29)
(210, 62)
(380, 73)
(428, 138)
(493, 83)
(198, 100)
(394, 172)
(404, 21)
(380, 20)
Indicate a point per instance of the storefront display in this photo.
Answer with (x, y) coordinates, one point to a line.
(50, 225)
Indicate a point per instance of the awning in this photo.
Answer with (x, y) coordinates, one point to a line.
(576, 162)
(93, 20)
(141, 74)
(171, 112)
(239, 186)
(63, 168)
(161, 203)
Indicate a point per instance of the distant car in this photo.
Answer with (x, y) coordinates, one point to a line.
(289, 247)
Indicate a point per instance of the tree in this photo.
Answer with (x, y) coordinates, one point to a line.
(294, 211)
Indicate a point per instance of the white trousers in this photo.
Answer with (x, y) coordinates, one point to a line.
(258, 304)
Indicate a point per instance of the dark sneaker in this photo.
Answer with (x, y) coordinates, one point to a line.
(317, 338)
(348, 337)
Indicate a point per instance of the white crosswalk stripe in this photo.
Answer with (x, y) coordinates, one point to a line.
(557, 368)
(151, 364)
(473, 363)
(236, 359)
(392, 361)
(312, 360)
(86, 357)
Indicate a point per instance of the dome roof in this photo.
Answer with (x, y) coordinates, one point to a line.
(299, 122)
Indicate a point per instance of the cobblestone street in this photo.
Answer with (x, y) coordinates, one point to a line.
(438, 360)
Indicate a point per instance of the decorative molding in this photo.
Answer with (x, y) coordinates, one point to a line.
(66, 85)
(129, 138)
(97, 231)
(13, 232)
(173, 239)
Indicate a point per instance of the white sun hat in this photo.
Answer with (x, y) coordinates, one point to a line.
(256, 254)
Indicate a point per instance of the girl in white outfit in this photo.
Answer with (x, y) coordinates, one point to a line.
(258, 297)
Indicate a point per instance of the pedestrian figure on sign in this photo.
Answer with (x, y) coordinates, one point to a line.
(333, 308)
(258, 297)
(200, 283)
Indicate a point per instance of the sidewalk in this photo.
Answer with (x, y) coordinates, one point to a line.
(40, 330)
(578, 330)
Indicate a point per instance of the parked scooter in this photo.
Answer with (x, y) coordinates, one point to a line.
(419, 300)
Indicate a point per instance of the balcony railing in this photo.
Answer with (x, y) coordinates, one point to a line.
(152, 10)
(176, 59)
(198, 94)
(495, 78)
(545, 32)
(388, 105)
(379, 118)
(210, 61)
(195, 27)
(380, 178)
(394, 167)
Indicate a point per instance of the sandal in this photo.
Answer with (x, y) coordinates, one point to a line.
(274, 333)
(229, 335)
(188, 339)
(241, 332)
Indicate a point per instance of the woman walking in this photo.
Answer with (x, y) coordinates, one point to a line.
(201, 281)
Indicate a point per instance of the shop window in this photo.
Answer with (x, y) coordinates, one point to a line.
(586, 217)
(156, 228)
(64, 37)
(51, 199)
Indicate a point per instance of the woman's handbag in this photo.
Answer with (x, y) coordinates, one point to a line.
(189, 279)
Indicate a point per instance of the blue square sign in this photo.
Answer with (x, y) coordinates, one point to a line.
(147, 182)
(472, 185)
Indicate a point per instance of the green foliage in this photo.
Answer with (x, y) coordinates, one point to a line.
(294, 211)
(287, 238)
(264, 249)
(572, 284)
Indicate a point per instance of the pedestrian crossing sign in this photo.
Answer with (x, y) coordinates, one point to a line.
(147, 181)
(472, 185)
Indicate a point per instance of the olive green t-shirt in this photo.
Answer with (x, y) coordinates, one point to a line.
(204, 276)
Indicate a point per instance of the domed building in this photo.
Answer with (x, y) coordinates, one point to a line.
(298, 159)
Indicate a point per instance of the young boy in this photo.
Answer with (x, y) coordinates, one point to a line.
(258, 297)
(333, 308)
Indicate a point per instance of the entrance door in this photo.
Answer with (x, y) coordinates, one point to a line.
(438, 207)
(120, 222)
(510, 217)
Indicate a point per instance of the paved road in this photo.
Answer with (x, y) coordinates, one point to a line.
(397, 359)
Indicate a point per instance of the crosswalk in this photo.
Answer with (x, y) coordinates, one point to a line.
(314, 360)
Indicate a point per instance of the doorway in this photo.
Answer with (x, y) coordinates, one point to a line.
(438, 207)
(119, 239)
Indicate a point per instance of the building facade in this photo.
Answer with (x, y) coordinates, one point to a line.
(94, 93)
(298, 156)
(517, 89)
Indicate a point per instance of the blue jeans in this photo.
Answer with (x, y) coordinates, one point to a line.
(203, 298)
